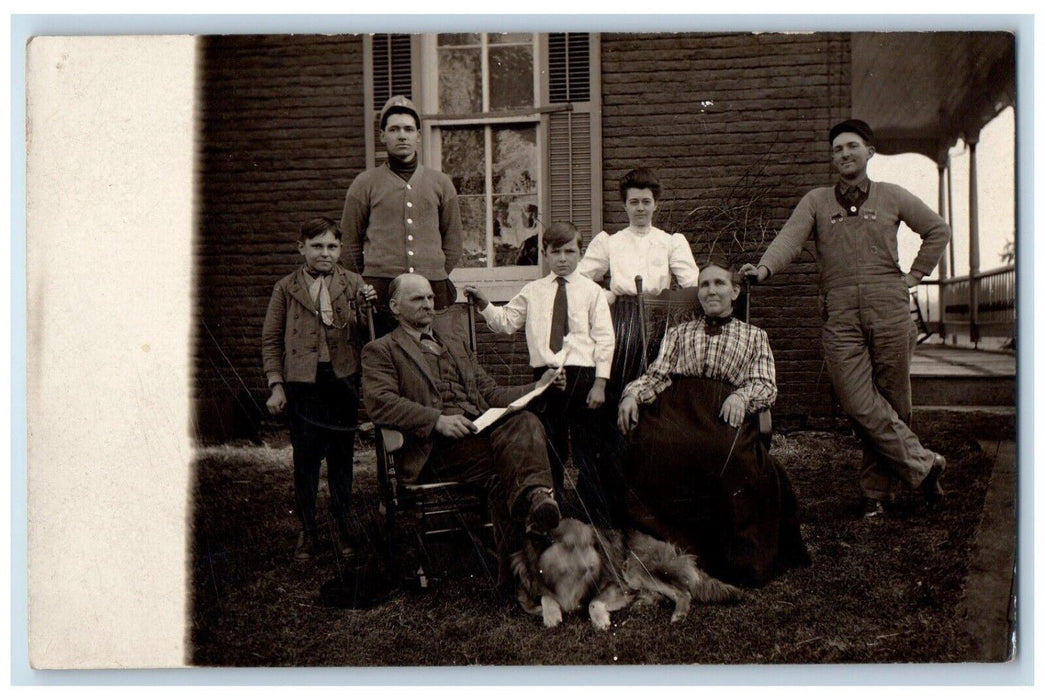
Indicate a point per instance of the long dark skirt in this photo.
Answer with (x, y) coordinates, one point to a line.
(712, 489)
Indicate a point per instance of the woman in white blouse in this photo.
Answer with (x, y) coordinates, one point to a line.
(642, 250)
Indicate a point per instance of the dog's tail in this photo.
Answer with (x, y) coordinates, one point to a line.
(708, 589)
(659, 556)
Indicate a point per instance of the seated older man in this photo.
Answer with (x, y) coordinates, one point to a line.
(431, 388)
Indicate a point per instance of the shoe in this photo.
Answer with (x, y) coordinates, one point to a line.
(543, 515)
(345, 539)
(872, 507)
(930, 486)
(305, 547)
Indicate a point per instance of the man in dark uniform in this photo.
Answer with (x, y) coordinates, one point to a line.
(402, 217)
(868, 334)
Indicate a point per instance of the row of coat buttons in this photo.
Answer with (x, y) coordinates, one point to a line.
(409, 205)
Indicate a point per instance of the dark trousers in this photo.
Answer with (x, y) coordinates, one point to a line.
(384, 321)
(573, 428)
(322, 425)
(507, 460)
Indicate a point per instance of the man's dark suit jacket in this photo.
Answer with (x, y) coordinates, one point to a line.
(400, 391)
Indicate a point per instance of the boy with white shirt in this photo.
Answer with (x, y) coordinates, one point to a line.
(568, 324)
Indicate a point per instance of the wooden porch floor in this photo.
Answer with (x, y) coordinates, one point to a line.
(949, 375)
(939, 360)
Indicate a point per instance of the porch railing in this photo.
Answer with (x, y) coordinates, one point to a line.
(991, 295)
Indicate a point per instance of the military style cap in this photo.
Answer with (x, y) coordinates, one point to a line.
(853, 126)
(399, 104)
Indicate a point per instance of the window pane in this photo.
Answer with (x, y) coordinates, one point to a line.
(464, 158)
(515, 159)
(511, 77)
(515, 230)
(462, 39)
(460, 81)
(473, 221)
(510, 38)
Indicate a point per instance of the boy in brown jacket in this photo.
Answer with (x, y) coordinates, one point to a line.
(310, 349)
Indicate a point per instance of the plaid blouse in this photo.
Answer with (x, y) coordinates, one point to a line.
(739, 355)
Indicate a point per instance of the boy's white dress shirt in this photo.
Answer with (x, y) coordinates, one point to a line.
(590, 339)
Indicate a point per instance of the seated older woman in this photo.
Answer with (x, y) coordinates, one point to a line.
(697, 473)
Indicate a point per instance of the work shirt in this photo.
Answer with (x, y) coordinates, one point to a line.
(859, 247)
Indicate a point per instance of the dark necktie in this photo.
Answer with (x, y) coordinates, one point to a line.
(430, 345)
(560, 324)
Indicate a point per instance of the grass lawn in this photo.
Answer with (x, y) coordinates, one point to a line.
(882, 590)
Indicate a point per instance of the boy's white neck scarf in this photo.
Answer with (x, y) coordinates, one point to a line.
(319, 290)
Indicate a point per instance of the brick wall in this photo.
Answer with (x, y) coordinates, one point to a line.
(280, 140)
(703, 111)
(505, 357)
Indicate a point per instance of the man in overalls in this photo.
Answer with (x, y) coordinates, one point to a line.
(868, 332)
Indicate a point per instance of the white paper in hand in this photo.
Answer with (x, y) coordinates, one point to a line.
(492, 415)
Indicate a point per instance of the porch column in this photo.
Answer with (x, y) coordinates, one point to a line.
(974, 244)
(950, 222)
(941, 167)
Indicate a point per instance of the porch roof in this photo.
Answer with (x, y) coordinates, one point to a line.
(922, 91)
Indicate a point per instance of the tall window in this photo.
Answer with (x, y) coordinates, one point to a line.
(513, 119)
(484, 133)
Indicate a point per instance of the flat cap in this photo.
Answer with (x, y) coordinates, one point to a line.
(853, 126)
(399, 104)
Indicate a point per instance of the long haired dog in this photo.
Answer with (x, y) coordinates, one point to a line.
(580, 565)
